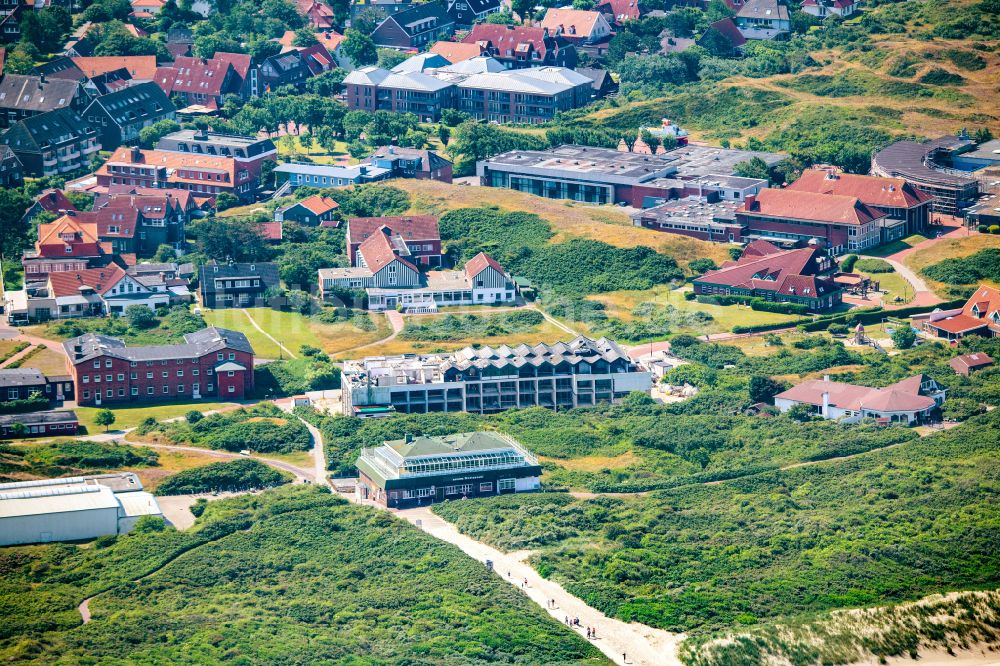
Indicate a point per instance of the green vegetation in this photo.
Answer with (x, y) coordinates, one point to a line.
(90, 455)
(313, 372)
(164, 327)
(461, 327)
(262, 428)
(983, 265)
(872, 265)
(8, 351)
(887, 526)
(649, 320)
(231, 476)
(293, 575)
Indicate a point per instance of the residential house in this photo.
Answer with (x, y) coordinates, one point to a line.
(579, 373)
(318, 59)
(375, 89)
(519, 47)
(248, 73)
(213, 363)
(199, 81)
(24, 96)
(416, 238)
(120, 116)
(722, 38)
(11, 169)
(467, 13)
(979, 316)
(249, 153)
(412, 163)
(233, 285)
(907, 208)
(909, 402)
(290, 175)
(602, 84)
(23, 383)
(825, 8)
(318, 14)
(763, 19)
(202, 175)
(52, 143)
(617, 12)
(51, 200)
(91, 292)
(60, 68)
(783, 276)
(39, 424)
(415, 27)
(67, 244)
(160, 217)
(966, 364)
(576, 25)
(376, 263)
(285, 69)
(455, 52)
(310, 211)
(140, 68)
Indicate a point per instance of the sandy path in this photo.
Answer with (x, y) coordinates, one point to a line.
(641, 645)
(267, 335)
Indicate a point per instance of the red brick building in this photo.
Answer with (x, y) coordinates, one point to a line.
(416, 238)
(214, 363)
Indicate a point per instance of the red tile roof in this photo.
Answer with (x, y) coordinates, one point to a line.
(970, 361)
(582, 21)
(330, 39)
(770, 269)
(194, 75)
(271, 231)
(812, 206)
(121, 216)
(622, 10)
(54, 201)
(408, 227)
(241, 62)
(899, 397)
(502, 38)
(140, 67)
(456, 51)
(982, 309)
(99, 279)
(760, 248)
(728, 29)
(872, 190)
(176, 162)
(480, 263)
(319, 204)
(68, 232)
(961, 323)
(378, 253)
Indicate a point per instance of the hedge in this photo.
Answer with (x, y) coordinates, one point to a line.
(756, 303)
(874, 315)
(27, 405)
(760, 328)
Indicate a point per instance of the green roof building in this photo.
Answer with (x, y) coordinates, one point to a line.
(418, 471)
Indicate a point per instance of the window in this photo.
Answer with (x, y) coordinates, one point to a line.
(232, 356)
(107, 363)
(97, 379)
(110, 393)
(121, 393)
(180, 373)
(232, 389)
(86, 395)
(149, 390)
(209, 388)
(231, 373)
(486, 487)
(505, 484)
(134, 375)
(97, 364)
(180, 388)
(195, 372)
(86, 379)
(165, 374)
(135, 390)
(166, 389)
(121, 377)
(12, 394)
(149, 375)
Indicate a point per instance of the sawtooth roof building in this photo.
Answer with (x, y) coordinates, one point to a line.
(423, 470)
(578, 373)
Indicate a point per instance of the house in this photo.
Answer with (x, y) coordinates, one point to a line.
(455, 52)
(294, 174)
(519, 47)
(601, 82)
(722, 38)
(419, 471)
(414, 27)
(24, 96)
(825, 8)
(76, 508)
(162, 216)
(120, 116)
(576, 25)
(249, 153)
(60, 68)
(285, 69)
(907, 208)
(200, 81)
(579, 373)
(233, 285)
(966, 364)
(202, 175)
(467, 13)
(783, 276)
(211, 364)
(52, 143)
(842, 223)
(310, 211)
(979, 316)
(11, 169)
(140, 68)
(412, 163)
(51, 200)
(375, 264)
(66, 244)
(927, 167)
(38, 424)
(318, 59)
(147, 7)
(617, 12)
(416, 238)
(318, 14)
(91, 292)
(908, 402)
(763, 19)
(23, 383)
(482, 282)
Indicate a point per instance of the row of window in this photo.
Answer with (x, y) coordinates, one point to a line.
(463, 489)
(149, 375)
(221, 356)
(151, 390)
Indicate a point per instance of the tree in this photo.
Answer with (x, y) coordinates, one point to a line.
(227, 238)
(13, 229)
(367, 20)
(763, 389)
(148, 136)
(327, 84)
(165, 253)
(261, 48)
(207, 46)
(800, 412)
(21, 59)
(225, 200)
(359, 47)
(473, 141)
(982, 135)
(193, 416)
(522, 8)
(104, 417)
(735, 253)
(305, 37)
(903, 337)
(755, 167)
(389, 58)
(45, 28)
(444, 134)
(140, 317)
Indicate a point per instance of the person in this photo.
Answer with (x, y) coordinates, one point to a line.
(623, 657)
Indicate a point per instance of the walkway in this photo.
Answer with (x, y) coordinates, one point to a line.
(18, 356)
(267, 335)
(555, 322)
(641, 645)
(397, 323)
(924, 295)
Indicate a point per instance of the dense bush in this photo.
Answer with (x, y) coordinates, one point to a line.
(847, 264)
(263, 428)
(230, 476)
(90, 455)
(502, 235)
(872, 265)
(983, 265)
(296, 376)
(465, 327)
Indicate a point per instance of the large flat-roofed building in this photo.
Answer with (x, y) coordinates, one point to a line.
(73, 508)
(423, 470)
(578, 373)
(694, 217)
(605, 176)
(925, 166)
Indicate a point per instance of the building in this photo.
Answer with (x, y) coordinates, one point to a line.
(907, 209)
(293, 174)
(417, 471)
(782, 276)
(162, 216)
(985, 213)
(763, 19)
(694, 217)
(414, 27)
(22, 383)
(202, 175)
(52, 143)
(318, 14)
(966, 364)
(72, 509)
(455, 52)
(310, 211)
(520, 47)
(842, 223)
(23, 96)
(249, 153)
(602, 84)
(416, 238)
(467, 13)
(908, 402)
(201, 81)
(979, 316)
(66, 244)
(285, 69)
(482, 282)
(617, 12)
(39, 424)
(91, 292)
(412, 163)
(926, 166)
(11, 169)
(140, 68)
(385, 7)
(722, 38)
(578, 373)
(213, 363)
(119, 116)
(576, 25)
(51, 200)
(232, 285)
(825, 8)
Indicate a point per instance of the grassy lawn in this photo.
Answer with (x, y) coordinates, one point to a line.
(895, 246)
(894, 285)
(290, 147)
(49, 361)
(129, 416)
(546, 332)
(949, 249)
(8, 348)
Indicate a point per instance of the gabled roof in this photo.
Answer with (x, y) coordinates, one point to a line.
(727, 28)
(318, 204)
(577, 22)
(812, 206)
(60, 68)
(29, 93)
(760, 248)
(69, 283)
(420, 62)
(978, 312)
(240, 62)
(206, 341)
(214, 270)
(81, 238)
(520, 38)
(899, 397)
(142, 68)
(138, 103)
(318, 59)
(771, 272)
(54, 200)
(872, 190)
(175, 161)
(763, 9)
(377, 251)
(36, 133)
(455, 51)
(411, 20)
(20, 377)
(408, 227)
(194, 75)
(620, 10)
(971, 361)
(331, 39)
(480, 263)
(430, 160)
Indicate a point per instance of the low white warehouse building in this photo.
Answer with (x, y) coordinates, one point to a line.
(72, 509)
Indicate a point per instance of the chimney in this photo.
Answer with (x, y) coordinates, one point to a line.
(408, 438)
(136, 154)
(826, 405)
(42, 79)
(201, 134)
(749, 201)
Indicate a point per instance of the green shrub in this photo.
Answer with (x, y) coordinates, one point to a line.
(983, 265)
(872, 265)
(230, 476)
(91, 455)
(847, 265)
(463, 327)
